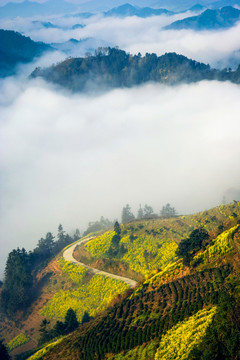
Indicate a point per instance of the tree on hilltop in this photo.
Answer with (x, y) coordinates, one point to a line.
(127, 215)
(117, 228)
(147, 211)
(140, 212)
(168, 211)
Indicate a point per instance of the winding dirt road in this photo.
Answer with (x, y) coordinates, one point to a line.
(68, 255)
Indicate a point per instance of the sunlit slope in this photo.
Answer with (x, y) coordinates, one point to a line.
(63, 285)
(92, 295)
(150, 245)
(193, 305)
(177, 343)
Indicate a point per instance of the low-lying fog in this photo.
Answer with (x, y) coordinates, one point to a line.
(70, 158)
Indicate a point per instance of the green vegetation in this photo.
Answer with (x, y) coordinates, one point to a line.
(223, 243)
(152, 311)
(220, 246)
(102, 224)
(18, 290)
(151, 245)
(197, 240)
(92, 297)
(178, 342)
(40, 353)
(176, 302)
(145, 255)
(146, 351)
(17, 341)
(99, 246)
(60, 328)
(76, 272)
(223, 336)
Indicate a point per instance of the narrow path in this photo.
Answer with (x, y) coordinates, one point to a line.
(68, 255)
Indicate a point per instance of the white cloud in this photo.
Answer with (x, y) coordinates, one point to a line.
(218, 48)
(72, 158)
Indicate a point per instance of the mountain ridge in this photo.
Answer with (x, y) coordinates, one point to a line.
(208, 20)
(15, 49)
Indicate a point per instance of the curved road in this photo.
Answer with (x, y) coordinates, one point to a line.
(68, 255)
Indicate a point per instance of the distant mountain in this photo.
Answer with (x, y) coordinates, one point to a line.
(84, 15)
(47, 25)
(129, 10)
(208, 20)
(197, 7)
(221, 3)
(16, 48)
(76, 48)
(78, 26)
(29, 8)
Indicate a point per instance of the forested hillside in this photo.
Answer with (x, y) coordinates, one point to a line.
(16, 48)
(188, 273)
(191, 310)
(111, 67)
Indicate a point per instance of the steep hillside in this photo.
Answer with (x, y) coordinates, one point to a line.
(16, 48)
(180, 305)
(61, 286)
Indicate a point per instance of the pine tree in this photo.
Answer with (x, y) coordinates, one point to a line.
(77, 235)
(127, 215)
(117, 228)
(168, 211)
(140, 212)
(71, 321)
(147, 211)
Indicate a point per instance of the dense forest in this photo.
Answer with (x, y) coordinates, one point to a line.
(112, 67)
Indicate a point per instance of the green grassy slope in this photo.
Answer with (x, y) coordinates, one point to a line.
(150, 245)
(201, 298)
